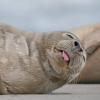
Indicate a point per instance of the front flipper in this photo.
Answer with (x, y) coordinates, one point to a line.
(90, 37)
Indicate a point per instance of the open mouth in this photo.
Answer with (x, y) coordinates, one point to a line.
(64, 55)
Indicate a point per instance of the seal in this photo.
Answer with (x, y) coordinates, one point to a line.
(89, 35)
(38, 62)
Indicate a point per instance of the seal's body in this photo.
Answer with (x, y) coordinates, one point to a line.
(38, 63)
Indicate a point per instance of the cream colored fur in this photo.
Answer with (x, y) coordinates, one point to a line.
(90, 37)
(32, 63)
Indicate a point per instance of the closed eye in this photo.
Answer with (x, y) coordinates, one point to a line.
(70, 36)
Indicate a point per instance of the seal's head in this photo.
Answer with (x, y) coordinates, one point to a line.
(66, 55)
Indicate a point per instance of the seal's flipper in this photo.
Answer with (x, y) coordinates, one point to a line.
(90, 37)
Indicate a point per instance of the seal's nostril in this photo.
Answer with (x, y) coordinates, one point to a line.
(76, 43)
(80, 50)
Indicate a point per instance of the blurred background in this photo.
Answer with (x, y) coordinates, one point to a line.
(49, 15)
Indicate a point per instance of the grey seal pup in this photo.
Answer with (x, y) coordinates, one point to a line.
(38, 62)
(89, 35)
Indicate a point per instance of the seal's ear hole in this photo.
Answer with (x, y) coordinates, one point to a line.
(70, 36)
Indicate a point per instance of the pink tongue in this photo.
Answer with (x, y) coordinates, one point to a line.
(65, 56)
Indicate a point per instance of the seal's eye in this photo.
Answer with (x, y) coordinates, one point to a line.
(76, 43)
(70, 36)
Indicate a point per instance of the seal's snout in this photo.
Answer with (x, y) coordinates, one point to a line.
(77, 46)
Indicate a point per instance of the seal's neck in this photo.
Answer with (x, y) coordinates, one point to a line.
(42, 44)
